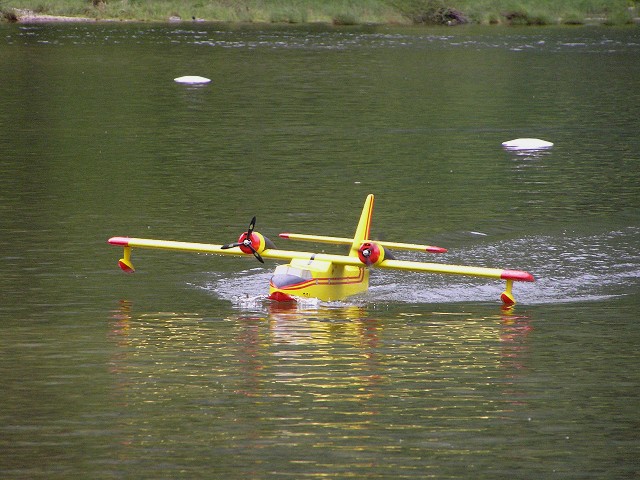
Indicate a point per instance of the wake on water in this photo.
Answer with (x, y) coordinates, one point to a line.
(567, 268)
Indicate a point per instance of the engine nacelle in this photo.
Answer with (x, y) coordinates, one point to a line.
(371, 253)
(258, 241)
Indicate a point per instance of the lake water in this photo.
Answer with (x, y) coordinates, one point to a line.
(183, 370)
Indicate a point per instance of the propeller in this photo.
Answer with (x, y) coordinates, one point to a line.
(245, 242)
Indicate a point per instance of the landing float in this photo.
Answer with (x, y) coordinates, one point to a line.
(321, 275)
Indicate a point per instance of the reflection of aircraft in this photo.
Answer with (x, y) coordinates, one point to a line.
(320, 275)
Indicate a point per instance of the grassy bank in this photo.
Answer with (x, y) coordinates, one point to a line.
(345, 12)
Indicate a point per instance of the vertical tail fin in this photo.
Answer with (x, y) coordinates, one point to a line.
(364, 226)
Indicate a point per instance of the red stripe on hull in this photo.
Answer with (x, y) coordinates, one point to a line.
(323, 281)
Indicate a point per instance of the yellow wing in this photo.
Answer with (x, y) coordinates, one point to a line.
(128, 243)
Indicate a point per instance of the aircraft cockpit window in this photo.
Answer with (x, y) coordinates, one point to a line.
(286, 275)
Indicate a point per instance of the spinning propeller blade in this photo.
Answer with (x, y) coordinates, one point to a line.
(245, 241)
(256, 254)
(252, 225)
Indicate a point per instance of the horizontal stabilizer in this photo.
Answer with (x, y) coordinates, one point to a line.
(348, 241)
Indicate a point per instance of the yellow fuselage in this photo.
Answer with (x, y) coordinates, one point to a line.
(318, 279)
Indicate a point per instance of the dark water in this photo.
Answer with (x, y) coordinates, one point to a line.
(183, 370)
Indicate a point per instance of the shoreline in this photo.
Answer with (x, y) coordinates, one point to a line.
(27, 16)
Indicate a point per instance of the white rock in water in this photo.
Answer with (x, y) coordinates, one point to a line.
(526, 144)
(192, 79)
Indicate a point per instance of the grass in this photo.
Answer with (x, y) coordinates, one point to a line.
(341, 12)
(544, 12)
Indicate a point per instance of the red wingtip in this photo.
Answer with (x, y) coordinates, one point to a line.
(121, 241)
(517, 275)
(436, 250)
(284, 235)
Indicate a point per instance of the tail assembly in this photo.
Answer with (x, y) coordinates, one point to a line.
(361, 246)
(369, 253)
(363, 230)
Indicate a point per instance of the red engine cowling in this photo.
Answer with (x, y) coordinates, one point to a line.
(257, 242)
(371, 253)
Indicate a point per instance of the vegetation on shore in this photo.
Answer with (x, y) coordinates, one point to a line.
(339, 12)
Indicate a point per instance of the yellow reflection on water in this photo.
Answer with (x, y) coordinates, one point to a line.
(333, 378)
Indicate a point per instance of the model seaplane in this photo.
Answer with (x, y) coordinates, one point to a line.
(321, 275)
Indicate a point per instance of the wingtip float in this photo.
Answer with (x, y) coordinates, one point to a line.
(326, 276)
